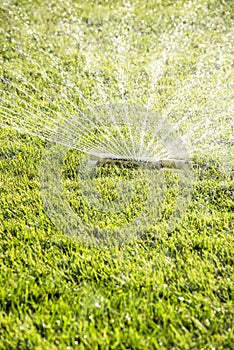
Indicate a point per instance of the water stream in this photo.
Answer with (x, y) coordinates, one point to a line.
(107, 97)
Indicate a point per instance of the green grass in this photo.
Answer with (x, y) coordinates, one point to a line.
(166, 290)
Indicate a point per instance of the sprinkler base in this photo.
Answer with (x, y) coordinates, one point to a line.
(131, 163)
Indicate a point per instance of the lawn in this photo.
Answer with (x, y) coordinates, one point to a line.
(168, 283)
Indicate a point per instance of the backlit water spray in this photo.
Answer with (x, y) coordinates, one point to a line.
(132, 125)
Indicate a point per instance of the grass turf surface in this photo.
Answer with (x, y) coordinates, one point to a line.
(165, 291)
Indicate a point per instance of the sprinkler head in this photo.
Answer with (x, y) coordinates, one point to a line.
(148, 164)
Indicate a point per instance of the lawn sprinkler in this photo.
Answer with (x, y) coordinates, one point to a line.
(96, 161)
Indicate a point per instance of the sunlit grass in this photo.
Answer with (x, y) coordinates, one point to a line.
(168, 289)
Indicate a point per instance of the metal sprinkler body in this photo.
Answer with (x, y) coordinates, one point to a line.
(96, 161)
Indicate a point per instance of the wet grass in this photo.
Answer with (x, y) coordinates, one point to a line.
(166, 290)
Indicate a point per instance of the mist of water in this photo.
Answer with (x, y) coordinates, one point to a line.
(106, 96)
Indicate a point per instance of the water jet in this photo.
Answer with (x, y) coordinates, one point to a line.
(144, 108)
